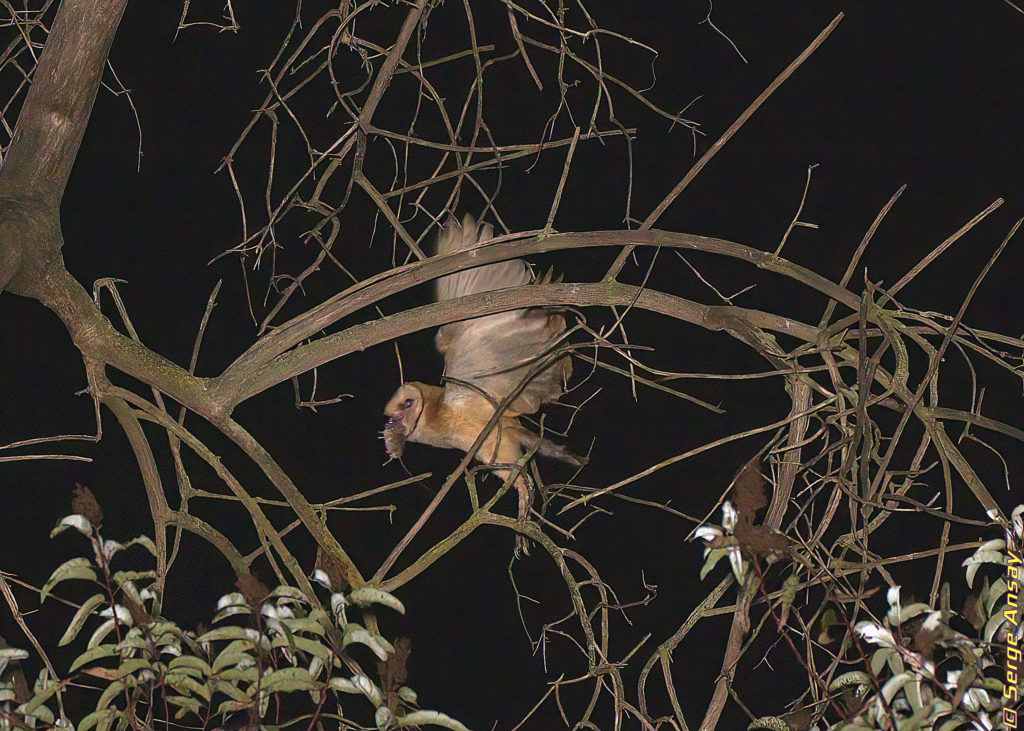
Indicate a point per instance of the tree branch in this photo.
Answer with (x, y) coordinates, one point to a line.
(57, 108)
(306, 326)
(735, 320)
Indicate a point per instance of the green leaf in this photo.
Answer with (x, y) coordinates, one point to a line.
(108, 717)
(303, 644)
(366, 595)
(992, 626)
(229, 604)
(356, 633)
(357, 684)
(233, 691)
(83, 613)
(189, 672)
(235, 652)
(91, 720)
(290, 592)
(144, 541)
(101, 632)
(41, 696)
(73, 568)
(133, 641)
(982, 556)
(431, 718)
(898, 616)
(166, 634)
(321, 617)
(111, 548)
(186, 703)
(880, 658)
(108, 694)
(714, 556)
(40, 713)
(303, 624)
(249, 674)
(190, 661)
(287, 680)
(132, 665)
(344, 685)
(894, 685)
(232, 706)
(79, 522)
(94, 653)
(231, 610)
(232, 633)
(13, 653)
(990, 599)
(187, 686)
(122, 576)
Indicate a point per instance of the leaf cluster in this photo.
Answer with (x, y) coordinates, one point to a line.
(273, 659)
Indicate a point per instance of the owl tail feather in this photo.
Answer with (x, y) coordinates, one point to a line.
(547, 448)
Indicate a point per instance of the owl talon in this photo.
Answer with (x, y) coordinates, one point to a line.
(522, 546)
(525, 489)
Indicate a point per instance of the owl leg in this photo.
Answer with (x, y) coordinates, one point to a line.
(508, 452)
(524, 490)
(524, 487)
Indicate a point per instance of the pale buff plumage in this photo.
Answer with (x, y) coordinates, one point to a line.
(484, 355)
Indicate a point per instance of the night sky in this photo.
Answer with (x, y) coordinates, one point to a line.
(922, 94)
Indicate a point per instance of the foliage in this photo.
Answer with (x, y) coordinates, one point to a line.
(934, 668)
(273, 656)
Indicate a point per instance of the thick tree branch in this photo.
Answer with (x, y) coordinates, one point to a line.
(359, 337)
(306, 326)
(57, 108)
(96, 338)
(32, 181)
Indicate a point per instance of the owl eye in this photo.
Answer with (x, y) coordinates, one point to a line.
(407, 403)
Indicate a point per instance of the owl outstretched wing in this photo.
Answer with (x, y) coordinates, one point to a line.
(495, 352)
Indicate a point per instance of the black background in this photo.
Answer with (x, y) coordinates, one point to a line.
(926, 94)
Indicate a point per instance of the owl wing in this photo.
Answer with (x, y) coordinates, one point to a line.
(494, 353)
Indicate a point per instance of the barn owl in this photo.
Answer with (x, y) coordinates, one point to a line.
(485, 359)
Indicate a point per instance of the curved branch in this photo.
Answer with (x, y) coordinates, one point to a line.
(263, 526)
(374, 289)
(98, 340)
(158, 506)
(736, 320)
(239, 564)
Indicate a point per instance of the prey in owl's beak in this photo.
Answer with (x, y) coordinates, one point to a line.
(400, 417)
(394, 437)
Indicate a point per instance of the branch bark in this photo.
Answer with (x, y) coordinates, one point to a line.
(736, 320)
(57, 108)
(47, 137)
(232, 382)
(33, 177)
